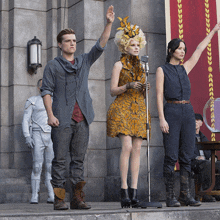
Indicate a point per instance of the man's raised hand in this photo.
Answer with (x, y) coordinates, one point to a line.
(110, 15)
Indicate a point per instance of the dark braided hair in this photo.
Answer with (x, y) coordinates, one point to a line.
(172, 46)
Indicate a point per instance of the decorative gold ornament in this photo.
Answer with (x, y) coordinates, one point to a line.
(126, 33)
(133, 64)
(129, 32)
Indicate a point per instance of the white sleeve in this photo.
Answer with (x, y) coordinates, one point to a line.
(26, 123)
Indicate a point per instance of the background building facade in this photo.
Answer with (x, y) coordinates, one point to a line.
(20, 21)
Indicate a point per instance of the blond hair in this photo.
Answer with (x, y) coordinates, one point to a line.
(123, 42)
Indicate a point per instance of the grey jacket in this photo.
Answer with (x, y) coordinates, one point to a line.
(68, 83)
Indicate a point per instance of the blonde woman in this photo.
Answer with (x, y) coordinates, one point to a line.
(127, 115)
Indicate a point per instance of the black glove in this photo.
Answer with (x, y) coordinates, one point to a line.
(144, 86)
(134, 85)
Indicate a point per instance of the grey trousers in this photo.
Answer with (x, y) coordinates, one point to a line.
(73, 139)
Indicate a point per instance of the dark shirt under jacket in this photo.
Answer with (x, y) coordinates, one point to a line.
(176, 82)
(207, 153)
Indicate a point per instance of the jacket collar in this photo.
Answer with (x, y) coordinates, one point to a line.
(68, 66)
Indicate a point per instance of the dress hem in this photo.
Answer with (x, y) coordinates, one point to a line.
(117, 135)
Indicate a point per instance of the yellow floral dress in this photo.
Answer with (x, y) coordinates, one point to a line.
(127, 114)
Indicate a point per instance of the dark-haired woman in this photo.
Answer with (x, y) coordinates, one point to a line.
(177, 118)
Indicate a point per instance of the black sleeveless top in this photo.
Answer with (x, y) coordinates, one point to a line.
(176, 82)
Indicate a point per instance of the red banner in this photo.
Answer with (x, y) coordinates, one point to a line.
(192, 20)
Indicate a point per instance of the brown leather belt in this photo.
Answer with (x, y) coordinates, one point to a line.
(179, 102)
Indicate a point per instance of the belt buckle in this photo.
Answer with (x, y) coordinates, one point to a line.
(184, 102)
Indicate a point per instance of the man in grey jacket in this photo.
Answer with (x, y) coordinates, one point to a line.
(66, 78)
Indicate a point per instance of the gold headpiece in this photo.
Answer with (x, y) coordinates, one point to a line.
(129, 32)
(126, 33)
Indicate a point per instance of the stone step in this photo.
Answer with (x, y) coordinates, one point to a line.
(13, 188)
(21, 197)
(22, 193)
(25, 197)
(13, 181)
(14, 173)
(14, 197)
(108, 211)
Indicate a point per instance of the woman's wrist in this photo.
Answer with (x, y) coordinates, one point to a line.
(128, 85)
(161, 118)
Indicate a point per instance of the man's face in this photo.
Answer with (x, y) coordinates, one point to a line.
(68, 45)
(198, 124)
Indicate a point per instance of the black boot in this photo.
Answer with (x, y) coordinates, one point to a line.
(133, 197)
(185, 197)
(125, 200)
(198, 186)
(171, 200)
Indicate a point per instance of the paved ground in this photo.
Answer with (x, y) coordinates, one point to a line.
(108, 210)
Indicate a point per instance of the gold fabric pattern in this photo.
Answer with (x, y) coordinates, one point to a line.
(127, 114)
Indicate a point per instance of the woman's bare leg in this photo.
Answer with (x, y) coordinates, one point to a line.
(135, 161)
(126, 142)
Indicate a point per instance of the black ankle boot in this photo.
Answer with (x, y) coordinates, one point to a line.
(125, 200)
(185, 197)
(171, 200)
(133, 197)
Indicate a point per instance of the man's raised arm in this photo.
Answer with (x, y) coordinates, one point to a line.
(110, 17)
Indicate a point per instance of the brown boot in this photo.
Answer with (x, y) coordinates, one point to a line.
(77, 200)
(59, 203)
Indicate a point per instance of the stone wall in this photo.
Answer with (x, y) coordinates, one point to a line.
(20, 21)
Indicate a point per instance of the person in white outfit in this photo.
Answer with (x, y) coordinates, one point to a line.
(37, 133)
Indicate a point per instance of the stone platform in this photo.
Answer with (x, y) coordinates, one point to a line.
(108, 211)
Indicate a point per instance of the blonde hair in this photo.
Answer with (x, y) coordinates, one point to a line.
(123, 42)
